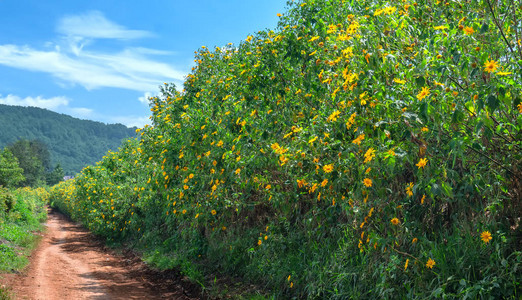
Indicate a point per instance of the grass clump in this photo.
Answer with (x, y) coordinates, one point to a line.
(21, 216)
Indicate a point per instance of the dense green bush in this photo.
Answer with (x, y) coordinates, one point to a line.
(21, 213)
(363, 149)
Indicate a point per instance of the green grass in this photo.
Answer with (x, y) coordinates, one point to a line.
(5, 294)
(18, 228)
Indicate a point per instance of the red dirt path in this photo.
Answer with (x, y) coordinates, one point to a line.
(70, 263)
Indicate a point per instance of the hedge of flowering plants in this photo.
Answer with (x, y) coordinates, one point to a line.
(361, 149)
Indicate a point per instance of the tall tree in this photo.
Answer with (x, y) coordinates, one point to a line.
(34, 159)
(10, 172)
(55, 176)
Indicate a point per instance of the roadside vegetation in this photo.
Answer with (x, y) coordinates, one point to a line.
(22, 212)
(362, 149)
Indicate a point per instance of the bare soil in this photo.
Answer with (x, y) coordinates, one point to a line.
(71, 263)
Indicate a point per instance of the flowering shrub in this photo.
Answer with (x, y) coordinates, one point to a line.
(362, 149)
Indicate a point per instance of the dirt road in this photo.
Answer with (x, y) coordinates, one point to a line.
(70, 263)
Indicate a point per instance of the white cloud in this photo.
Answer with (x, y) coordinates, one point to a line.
(49, 103)
(92, 70)
(93, 24)
(71, 62)
(145, 98)
(130, 121)
(61, 105)
(79, 112)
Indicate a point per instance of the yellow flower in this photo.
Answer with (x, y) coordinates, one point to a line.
(424, 93)
(369, 155)
(406, 264)
(490, 66)
(328, 168)
(395, 221)
(486, 236)
(422, 162)
(468, 30)
(238, 170)
(259, 242)
(520, 107)
(409, 188)
(268, 186)
(333, 117)
(440, 27)
(399, 81)
(430, 263)
(367, 182)
(359, 139)
(213, 212)
(324, 183)
(301, 183)
(414, 240)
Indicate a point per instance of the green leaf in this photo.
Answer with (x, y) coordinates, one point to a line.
(484, 28)
(493, 103)
(447, 189)
(420, 81)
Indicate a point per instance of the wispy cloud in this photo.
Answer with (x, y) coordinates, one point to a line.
(49, 103)
(93, 70)
(58, 104)
(130, 121)
(93, 24)
(132, 68)
(145, 98)
(62, 105)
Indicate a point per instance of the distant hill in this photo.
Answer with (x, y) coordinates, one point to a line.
(73, 143)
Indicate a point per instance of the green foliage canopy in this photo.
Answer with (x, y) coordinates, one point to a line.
(10, 172)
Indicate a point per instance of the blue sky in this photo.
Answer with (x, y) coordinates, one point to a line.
(101, 59)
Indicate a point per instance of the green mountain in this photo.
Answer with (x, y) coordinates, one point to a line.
(73, 143)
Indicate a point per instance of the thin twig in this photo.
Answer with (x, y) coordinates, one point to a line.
(499, 27)
(404, 253)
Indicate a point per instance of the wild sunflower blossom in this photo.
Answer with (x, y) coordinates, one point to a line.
(490, 66)
(395, 221)
(369, 155)
(333, 117)
(409, 189)
(485, 236)
(468, 30)
(328, 168)
(367, 182)
(430, 263)
(423, 93)
(359, 139)
(422, 162)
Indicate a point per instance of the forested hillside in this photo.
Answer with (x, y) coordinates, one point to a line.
(360, 150)
(73, 143)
